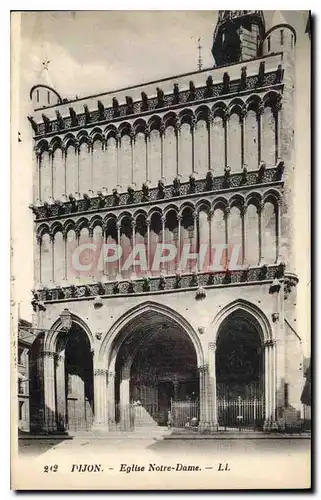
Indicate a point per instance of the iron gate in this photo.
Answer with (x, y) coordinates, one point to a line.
(240, 414)
(184, 413)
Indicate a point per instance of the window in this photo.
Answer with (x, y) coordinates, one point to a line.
(286, 394)
(282, 37)
(37, 95)
(48, 97)
(20, 409)
(20, 356)
(268, 43)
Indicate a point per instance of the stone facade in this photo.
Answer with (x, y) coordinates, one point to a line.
(205, 157)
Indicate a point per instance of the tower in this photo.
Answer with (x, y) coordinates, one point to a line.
(237, 36)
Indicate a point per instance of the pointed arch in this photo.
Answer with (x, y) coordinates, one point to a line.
(244, 307)
(51, 336)
(117, 333)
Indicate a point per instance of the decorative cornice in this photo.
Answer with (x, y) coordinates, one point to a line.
(159, 284)
(151, 105)
(153, 195)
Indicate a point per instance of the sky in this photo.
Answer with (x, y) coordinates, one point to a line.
(91, 52)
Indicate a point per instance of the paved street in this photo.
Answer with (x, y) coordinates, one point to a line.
(127, 463)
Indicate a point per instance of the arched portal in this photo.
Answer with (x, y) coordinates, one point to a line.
(240, 374)
(74, 380)
(156, 371)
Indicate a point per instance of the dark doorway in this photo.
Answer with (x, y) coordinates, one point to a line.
(240, 373)
(165, 395)
(79, 381)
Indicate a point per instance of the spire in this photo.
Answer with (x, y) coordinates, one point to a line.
(278, 19)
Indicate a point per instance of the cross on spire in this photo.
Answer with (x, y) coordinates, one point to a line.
(200, 59)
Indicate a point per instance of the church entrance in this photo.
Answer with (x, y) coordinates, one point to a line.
(156, 366)
(78, 381)
(240, 374)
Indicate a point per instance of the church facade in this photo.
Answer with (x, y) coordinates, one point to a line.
(202, 163)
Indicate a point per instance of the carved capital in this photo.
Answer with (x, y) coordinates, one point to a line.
(100, 372)
(203, 368)
(212, 346)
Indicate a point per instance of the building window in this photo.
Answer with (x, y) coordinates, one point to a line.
(20, 356)
(268, 43)
(20, 410)
(48, 95)
(286, 394)
(37, 95)
(282, 37)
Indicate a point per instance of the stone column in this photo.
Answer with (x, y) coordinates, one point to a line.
(162, 135)
(203, 377)
(148, 154)
(193, 133)
(259, 213)
(178, 144)
(132, 149)
(211, 142)
(227, 211)
(162, 265)
(61, 391)
(100, 400)
(259, 114)
(124, 396)
(148, 223)
(133, 223)
(176, 388)
(212, 404)
(226, 136)
(118, 146)
(119, 261)
(49, 383)
(111, 399)
(270, 385)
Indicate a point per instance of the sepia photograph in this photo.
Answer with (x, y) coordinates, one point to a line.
(160, 250)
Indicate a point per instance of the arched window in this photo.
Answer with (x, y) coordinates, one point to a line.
(111, 164)
(125, 162)
(268, 137)
(155, 167)
(46, 260)
(188, 238)
(59, 258)
(251, 140)
(71, 170)
(84, 168)
(141, 239)
(252, 250)
(218, 142)
(155, 239)
(71, 246)
(185, 152)
(58, 174)
(201, 148)
(126, 235)
(204, 236)
(170, 164)
(98, 252)
(171, 237)
(269, 233)
(234, 153)
(235, 237)
(218, 229)
(111, 268)
(45, 176)
(99, 166)
(139, 160)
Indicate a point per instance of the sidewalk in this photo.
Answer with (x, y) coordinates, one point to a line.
(162, 433)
